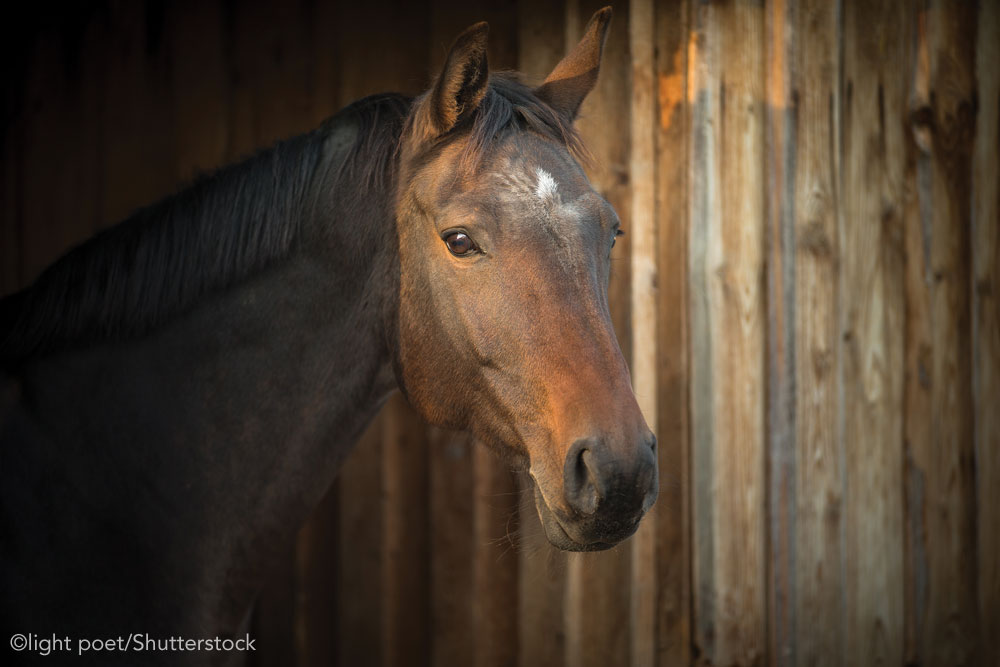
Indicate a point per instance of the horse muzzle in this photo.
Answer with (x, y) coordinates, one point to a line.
(605, 495)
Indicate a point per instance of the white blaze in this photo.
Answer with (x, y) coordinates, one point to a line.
(546, 189)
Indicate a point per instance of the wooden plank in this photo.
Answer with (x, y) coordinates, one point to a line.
(542, 588)
(642, 175)
(405, 541)
(541, 568)
(199, 80)
(60, 151)
(317, 566)
(361, 552)
(597, 595)
(270, 56)
(672, 516)
(453, 576)
(871, 321)
(782, 54)
(11, 187)
(136, 139)
(818, 494)
(917, 389)
(947, 615)
(495, 601)
(986, 326)
(448, 19)
(728, 340)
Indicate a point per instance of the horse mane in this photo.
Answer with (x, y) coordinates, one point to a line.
(127, 279)
(228, 225)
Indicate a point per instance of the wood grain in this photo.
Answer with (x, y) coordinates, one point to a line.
(986, 326)
(672, 515)
(817, 257)
(783, 49)
(944, 124)
(870, 324)
(642, 177)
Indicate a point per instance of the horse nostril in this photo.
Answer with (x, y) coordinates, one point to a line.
(580, 480)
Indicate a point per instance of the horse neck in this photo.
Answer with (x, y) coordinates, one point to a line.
(233, 418)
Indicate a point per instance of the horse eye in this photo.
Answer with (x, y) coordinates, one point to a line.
(460, 244)
(614, 238)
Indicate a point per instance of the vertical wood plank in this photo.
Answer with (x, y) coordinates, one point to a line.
(597, 596)
(946, 614)
(494, 596)
(317, 566)
(672, 517)
(541, 568)
(818, 610)
(871, 324)
(453, 576)
(727, 265)
(642, 174)
(199, 81)
(60, 146)
(11, 192)
(405, 524)
(137, 144)
(361, 551)
(782, 53)
(986, 326)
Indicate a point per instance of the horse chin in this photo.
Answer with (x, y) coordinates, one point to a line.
(558, 534)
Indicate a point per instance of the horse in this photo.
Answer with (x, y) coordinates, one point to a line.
(178, 392)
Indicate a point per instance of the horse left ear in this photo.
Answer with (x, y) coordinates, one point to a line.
(461, 85)
(576, 74)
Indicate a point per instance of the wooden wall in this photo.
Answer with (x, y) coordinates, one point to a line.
(807, 294)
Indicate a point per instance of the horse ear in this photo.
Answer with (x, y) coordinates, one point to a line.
(576, 74)
(462, 83)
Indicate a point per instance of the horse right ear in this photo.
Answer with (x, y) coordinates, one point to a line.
(576, 74)
(461, 85)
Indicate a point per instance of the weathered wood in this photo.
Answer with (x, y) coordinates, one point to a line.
(494, 596)
(453, 576)
(870, 323)
(815, 258)
(672, 514)
(542, 588)
(359, 614)
(782, 52)
(986, 326)
(944, 123)
(727, 267)
(597, 602)
(642, 176)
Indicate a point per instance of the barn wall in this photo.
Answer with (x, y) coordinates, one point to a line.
(807, 296)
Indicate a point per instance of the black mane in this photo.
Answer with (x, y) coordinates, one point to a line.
(235, 222)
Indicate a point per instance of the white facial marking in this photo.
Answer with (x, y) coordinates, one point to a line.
(546, 189)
